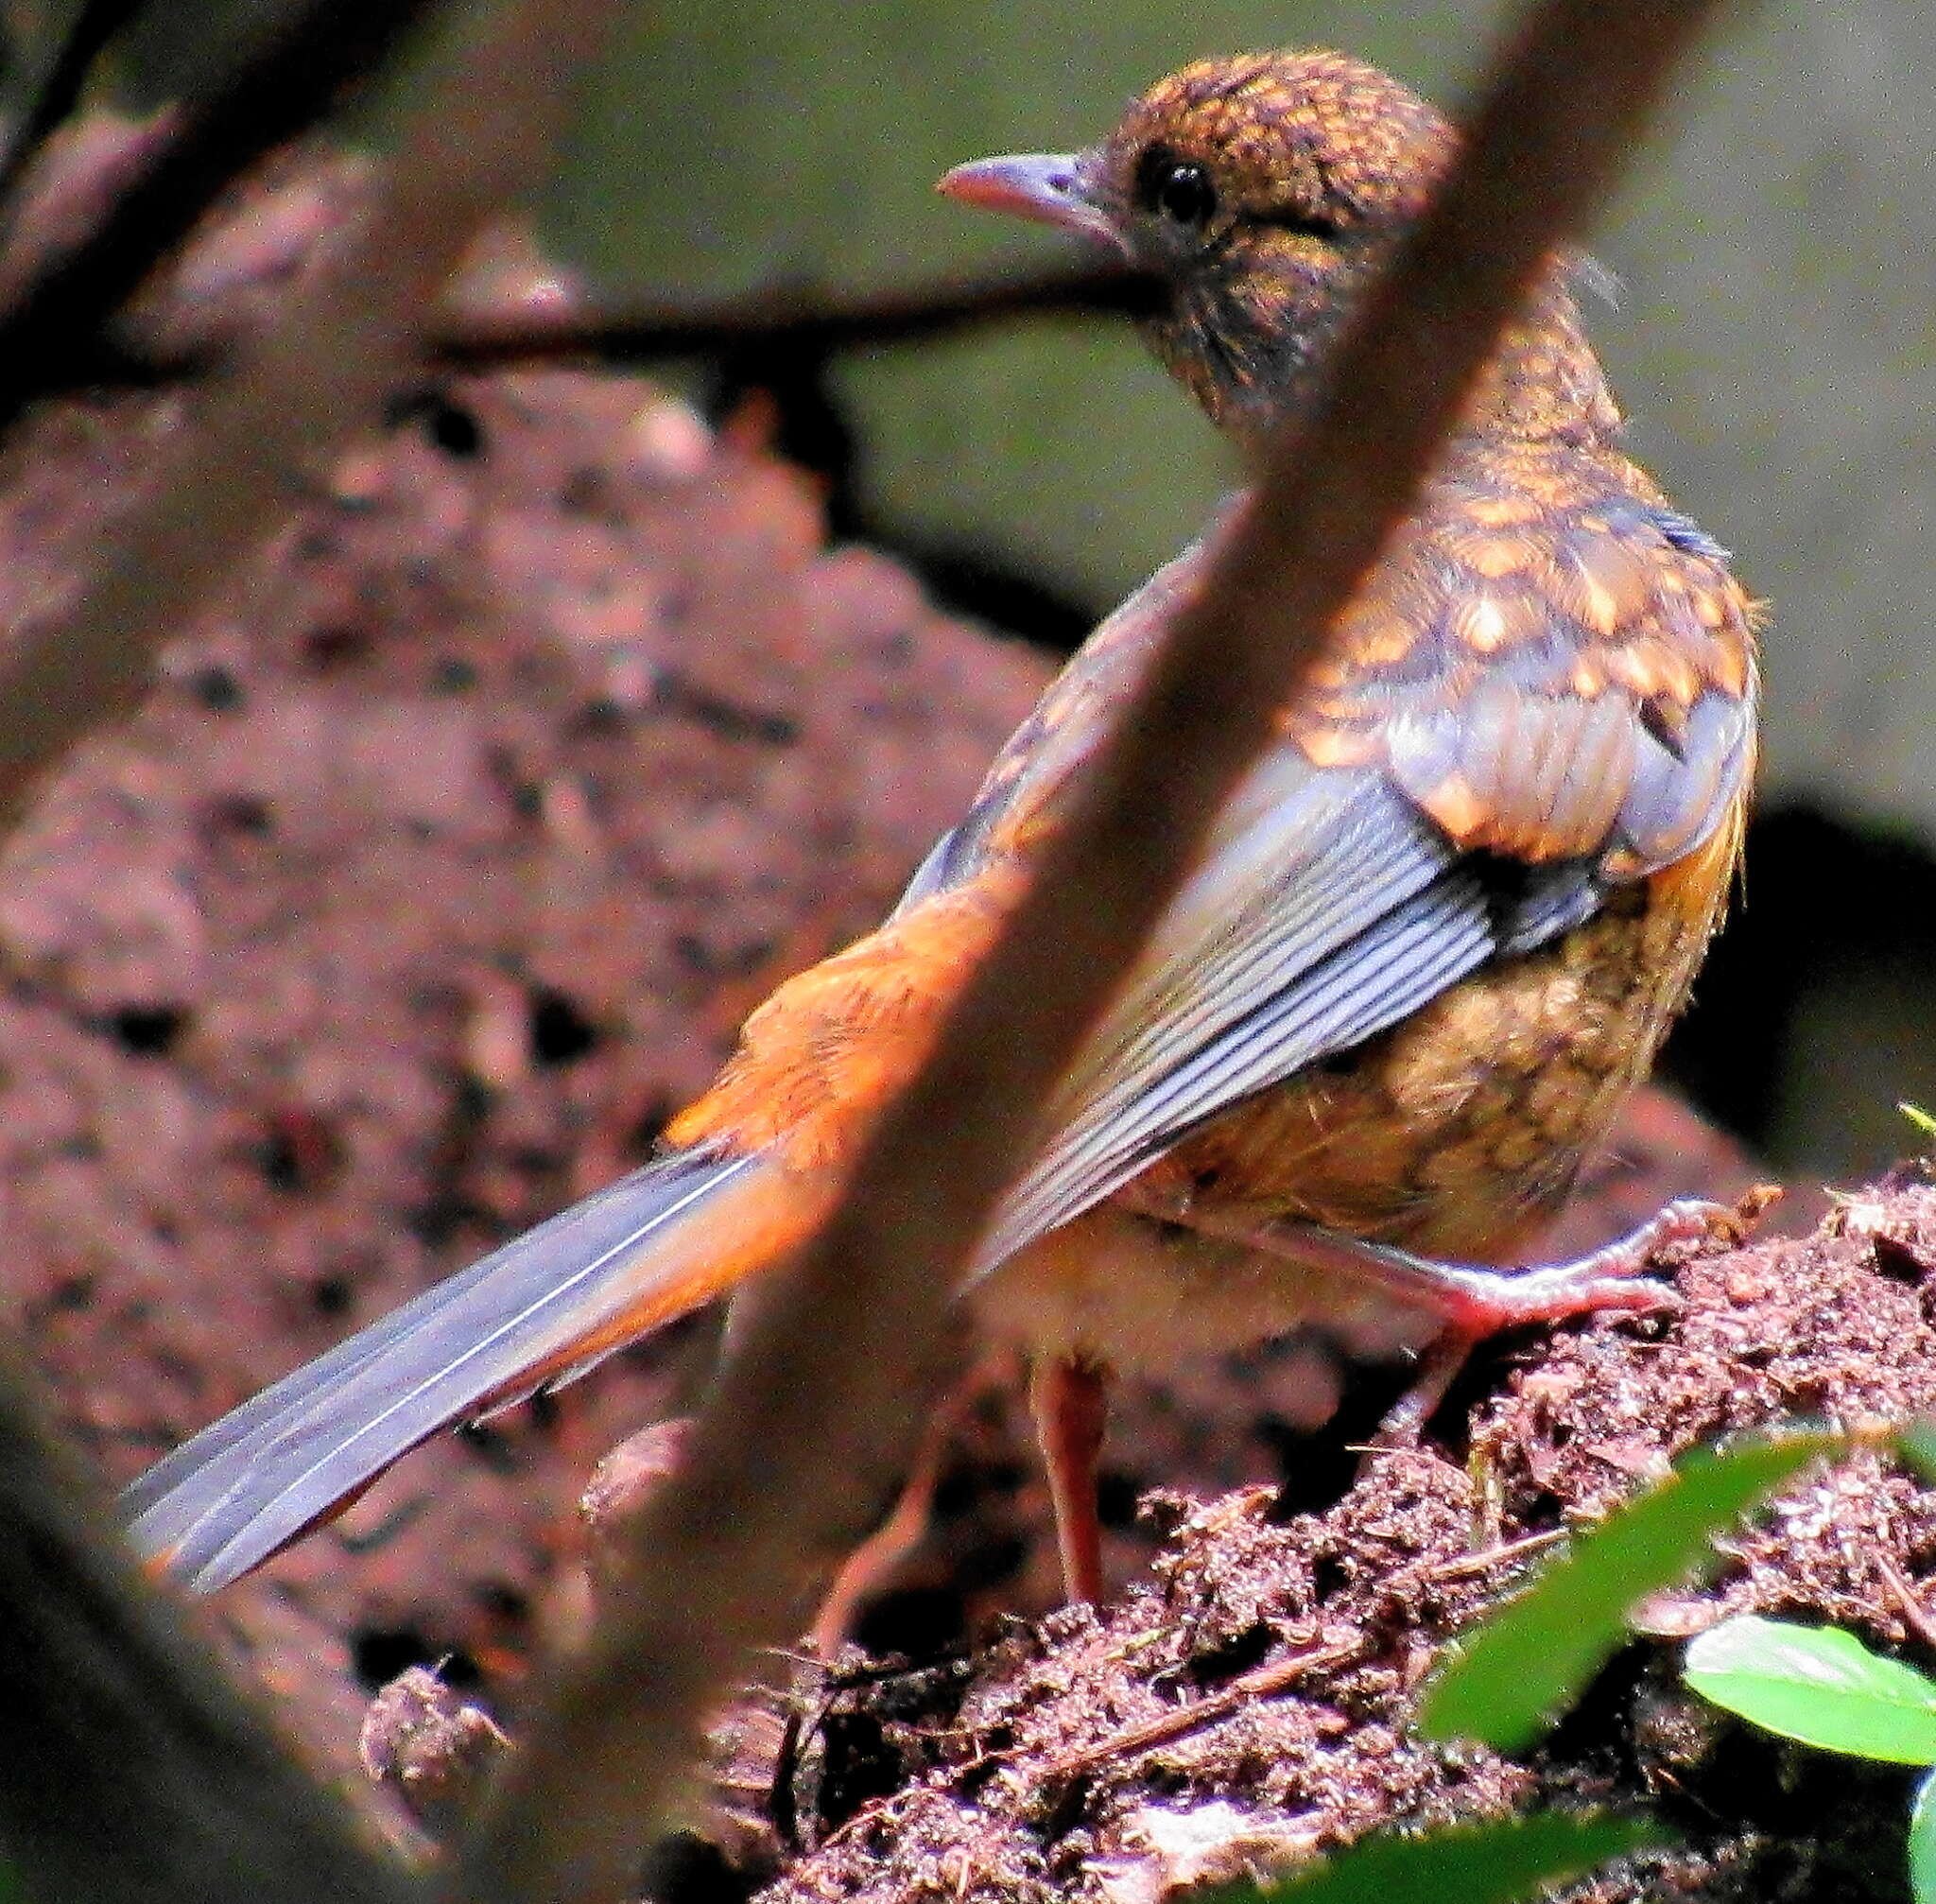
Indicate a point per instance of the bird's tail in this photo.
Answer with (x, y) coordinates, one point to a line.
(533, 1314)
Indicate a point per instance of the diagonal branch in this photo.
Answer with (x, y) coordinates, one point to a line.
(129, 1770)
(322, 373)
(830, 1373)
(279, 89)
(93, 26)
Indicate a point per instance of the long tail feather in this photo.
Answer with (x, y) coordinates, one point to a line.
(544, 1308)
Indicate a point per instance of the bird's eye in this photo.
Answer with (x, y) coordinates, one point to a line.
(1180, 189)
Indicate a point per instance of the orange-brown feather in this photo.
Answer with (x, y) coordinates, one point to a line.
(831, 1046)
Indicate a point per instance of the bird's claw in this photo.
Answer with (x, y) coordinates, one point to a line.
(1477, 1303)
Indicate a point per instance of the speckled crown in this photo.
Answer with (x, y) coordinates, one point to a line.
(1309, 130)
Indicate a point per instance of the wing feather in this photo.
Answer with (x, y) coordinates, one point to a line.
(1553, 723)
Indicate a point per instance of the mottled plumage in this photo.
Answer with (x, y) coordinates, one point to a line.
(1439, 935)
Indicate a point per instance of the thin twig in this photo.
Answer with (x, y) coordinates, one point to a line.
(1908, 1602)
(1262, 1681)
(797, 324)
(97, 23)
(803, 324)
(1505, 1554)
(281, 89)
(835, 1359)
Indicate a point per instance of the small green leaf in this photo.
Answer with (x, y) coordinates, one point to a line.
(1925, 1125)
(1533, 1656)
(1916, 1444)
(1817, 1684)
(1923, 1843)
(1492, 1863)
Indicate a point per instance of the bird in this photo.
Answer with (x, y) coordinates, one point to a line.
(1437, 936)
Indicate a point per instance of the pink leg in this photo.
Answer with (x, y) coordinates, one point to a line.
(1479, 1302)
(867, 1567)
(1070, 1400)
(1472, 1303)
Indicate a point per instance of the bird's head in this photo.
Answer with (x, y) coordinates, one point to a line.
(1260, 190)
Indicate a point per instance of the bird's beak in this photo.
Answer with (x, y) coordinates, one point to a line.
(1051, 187)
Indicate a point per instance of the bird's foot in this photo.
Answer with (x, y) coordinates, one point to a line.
(1470, 1302)
(1477, 1303)
(1481, 1302)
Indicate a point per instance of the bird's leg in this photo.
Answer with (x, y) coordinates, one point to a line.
(1070, 1400)
(869, 1565)
(1479, 1302)
(1470, 1302)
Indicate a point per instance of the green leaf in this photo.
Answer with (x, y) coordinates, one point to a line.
(1817, 1684)
(1533, 1656)
(1925, 1125)
(1492, 1863)
(1923, 1843)
(1916, 1444)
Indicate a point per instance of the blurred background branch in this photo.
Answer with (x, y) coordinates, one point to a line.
(300, 390)
(132, 1769)
(805, 322)
(92, 26)
(300, 67)
(819, 1402)
(810, 323)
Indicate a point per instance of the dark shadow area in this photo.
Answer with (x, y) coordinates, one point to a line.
(1810, 1019)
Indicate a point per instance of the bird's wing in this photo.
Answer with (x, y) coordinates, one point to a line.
(1519, 715)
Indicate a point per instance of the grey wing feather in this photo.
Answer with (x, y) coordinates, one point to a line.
(1291, 1008)
(1330, 914)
